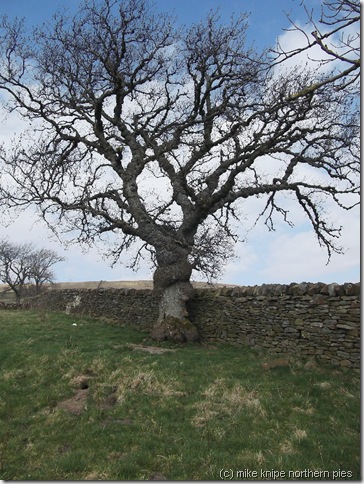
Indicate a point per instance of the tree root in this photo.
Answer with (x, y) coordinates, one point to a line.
(175, 330)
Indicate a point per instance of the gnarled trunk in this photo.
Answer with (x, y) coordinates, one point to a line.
(173, 287)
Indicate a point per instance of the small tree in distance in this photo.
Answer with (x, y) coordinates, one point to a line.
(41, 263)
(15, 266)
(23, 264)
(160, 134)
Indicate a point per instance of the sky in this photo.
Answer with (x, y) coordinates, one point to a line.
(284, 256)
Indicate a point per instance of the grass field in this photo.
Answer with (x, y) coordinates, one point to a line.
(84, 399)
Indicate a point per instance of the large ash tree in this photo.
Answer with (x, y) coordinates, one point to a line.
(159, 134)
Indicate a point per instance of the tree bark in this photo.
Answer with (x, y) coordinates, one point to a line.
(172, 286)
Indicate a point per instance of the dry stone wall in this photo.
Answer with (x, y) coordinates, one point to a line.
(309, 320)
(134, 307)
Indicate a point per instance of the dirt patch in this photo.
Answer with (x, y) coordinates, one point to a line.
(153, 350)
(76, 404)
(110, 400)
(157, 477)
(65, 448)
(124, 422)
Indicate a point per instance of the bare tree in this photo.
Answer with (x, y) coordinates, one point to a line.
(160, 134)
(15, 266)
(41, 262)
(22, 264)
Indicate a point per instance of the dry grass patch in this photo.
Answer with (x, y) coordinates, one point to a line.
(96, 476)
(13, 374)
(218, 400)
(307, 410)
(287, 448)
(324, 385)
(129, 381)
(300, 434)
(253, 458)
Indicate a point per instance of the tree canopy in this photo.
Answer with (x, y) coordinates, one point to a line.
(160, 133)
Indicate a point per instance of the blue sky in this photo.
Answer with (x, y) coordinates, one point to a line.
(284, 256)
(267, 17)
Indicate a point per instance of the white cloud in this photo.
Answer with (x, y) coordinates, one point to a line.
(294, 255)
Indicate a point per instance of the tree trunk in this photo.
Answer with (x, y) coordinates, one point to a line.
(17, 292)
(173, 287)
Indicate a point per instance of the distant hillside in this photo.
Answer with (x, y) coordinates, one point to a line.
(103, 284)
(5, 292)
(122, 284)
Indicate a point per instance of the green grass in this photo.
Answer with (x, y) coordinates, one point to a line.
(187, 414)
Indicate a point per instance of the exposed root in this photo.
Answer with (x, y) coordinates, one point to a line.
(175, 330)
